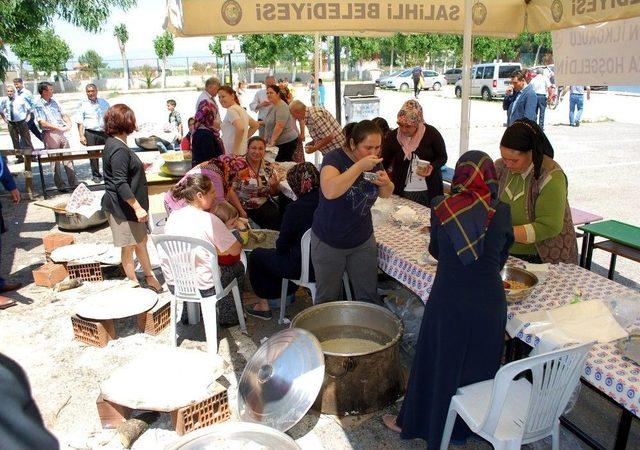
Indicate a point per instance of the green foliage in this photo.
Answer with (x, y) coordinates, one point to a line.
(122, 34)
(149, 75)
(488, 49)
(45, 51)
(215, 46)
(295, 47)
(164, 45)
(92, 62)
(263, 49)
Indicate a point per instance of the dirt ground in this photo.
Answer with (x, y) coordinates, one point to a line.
(65, 374)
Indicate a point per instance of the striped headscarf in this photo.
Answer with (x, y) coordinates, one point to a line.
(466, 213)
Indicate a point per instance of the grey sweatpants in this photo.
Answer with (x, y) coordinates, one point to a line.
(361, 264)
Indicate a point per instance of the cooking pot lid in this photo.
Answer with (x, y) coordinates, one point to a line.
(282, 380)
(235, 435)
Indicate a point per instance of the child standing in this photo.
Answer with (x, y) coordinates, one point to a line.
(175, 120)
(321, 93)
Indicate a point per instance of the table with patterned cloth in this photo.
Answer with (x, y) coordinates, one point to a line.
(606, 369)
(402, 250)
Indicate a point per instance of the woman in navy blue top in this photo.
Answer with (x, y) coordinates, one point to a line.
(342, 231)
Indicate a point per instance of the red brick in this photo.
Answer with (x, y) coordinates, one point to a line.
(53, 241)
(49, 274)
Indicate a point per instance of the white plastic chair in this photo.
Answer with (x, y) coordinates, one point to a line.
(181, 254)
(509, 413)
(305, 246)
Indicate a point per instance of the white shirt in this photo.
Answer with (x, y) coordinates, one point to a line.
(235, 112)
(415, 183)
(540, 84)
(261, 96)
(91, 114)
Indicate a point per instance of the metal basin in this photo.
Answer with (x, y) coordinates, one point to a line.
(521, 276)
(361, 349)
(177, 168)
(235, 435)
(77, 222)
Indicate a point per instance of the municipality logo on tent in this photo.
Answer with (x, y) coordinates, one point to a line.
(231, 12)
(479, 13)
(556, 10)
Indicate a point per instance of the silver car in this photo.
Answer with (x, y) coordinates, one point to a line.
(453, 75)
(404, 81)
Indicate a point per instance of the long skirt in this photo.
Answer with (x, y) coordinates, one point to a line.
(266, 271)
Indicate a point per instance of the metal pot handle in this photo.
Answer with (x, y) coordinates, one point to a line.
(347, 366)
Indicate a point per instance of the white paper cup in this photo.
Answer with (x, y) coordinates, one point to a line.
(423, 164)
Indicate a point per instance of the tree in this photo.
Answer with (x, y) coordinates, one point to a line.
(164, 46)
(360, 50)
(122, 36)
(295, 48)
(149, 75)
(262, 49)
(92, 62)
(215, 46)
(26, 18)
(45, 51)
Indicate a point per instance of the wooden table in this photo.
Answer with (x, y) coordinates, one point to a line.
(622, 239)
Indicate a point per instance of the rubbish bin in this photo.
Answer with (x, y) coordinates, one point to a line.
(360, 102)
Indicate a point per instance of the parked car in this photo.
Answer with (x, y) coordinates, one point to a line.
(489, 80)
(380, 82)
(404, 82)
(453, 75)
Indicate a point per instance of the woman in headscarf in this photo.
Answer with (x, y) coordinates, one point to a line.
(535, 187)
(462, 333)
(267, 267)
(205, 141)
(403, 147)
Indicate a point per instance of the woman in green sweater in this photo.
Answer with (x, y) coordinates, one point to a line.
(535, 187)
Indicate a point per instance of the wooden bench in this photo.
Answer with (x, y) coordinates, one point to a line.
(622, 239)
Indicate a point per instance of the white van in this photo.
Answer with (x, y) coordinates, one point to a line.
(489, 80)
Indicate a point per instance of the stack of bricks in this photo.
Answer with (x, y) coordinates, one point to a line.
(50, 274)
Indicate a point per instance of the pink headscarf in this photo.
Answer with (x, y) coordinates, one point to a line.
(410, 114)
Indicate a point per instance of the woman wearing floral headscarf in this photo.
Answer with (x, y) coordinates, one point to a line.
(462, 333)
(267, 267)
(404, 146)
(206, 142)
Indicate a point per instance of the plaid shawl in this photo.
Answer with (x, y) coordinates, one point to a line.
(465, 215)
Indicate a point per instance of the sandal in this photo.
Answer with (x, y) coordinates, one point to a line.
(157, 290)
(6, 302)
(390, 422)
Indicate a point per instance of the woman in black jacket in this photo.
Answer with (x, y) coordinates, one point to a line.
(126, 198)
(402, 149)
(267, 267)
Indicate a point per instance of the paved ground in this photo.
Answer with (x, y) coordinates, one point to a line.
(601, 159)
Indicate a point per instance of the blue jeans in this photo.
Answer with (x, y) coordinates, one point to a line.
(540, 108)
(576, 101)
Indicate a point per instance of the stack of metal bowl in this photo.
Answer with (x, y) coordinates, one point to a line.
(521, 276)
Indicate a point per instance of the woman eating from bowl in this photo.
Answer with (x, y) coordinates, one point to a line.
(342, 234)
(195, 220)
(267, 267)
(126, 198)
(256, 185)
(414, 154)
(237, 125)
(280, 126)
(535, 187)
(462, 332)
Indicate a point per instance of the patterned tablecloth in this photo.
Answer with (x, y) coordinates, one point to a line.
(401, 253)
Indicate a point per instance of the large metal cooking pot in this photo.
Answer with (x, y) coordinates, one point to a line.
(176, 168)
(361, 350)
(77, 222)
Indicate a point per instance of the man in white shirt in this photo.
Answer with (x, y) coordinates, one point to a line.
(90, 120)
(260, 104)
(15, 111)
(541, 85)
(211, 87)
(21, 91)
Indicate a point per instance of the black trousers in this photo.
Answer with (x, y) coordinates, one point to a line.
(286, 150)
(95, 138)
(266, 271)
(267, 216)
(17, 130)
(416, 87)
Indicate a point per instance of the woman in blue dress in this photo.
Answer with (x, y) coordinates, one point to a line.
(462, 333)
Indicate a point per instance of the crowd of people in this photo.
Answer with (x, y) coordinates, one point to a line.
(517, 205)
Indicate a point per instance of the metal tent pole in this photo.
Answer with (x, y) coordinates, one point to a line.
(336, 64)
(465, 109)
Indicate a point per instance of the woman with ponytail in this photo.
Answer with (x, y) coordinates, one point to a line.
(237, 126)
(535, 187)
(195, 220)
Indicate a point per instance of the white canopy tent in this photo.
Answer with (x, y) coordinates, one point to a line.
(374, 18)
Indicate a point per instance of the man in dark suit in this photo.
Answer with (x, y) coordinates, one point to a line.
(520, 99)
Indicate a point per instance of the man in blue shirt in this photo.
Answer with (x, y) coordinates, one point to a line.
(21, 91)
(6, 179)
(520, 99)
(15, 111)
(90, 120)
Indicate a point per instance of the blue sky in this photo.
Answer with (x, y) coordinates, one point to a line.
(144, 22)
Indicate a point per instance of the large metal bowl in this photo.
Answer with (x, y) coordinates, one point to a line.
(177, 168)
(522, 276)
(77, 222)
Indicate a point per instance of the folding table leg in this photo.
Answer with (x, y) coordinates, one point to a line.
(612, 266)
(44, 187)
(587, 264)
